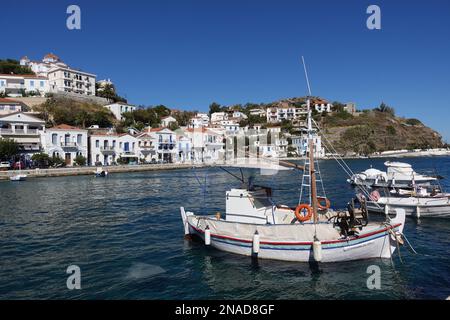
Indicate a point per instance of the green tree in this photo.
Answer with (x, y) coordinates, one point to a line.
(8, 149)
(9, 66)
(80, 160)
(215, 107)
(385, 109)
(108, 91)
(42, 160)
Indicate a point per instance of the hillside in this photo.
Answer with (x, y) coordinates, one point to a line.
(376, 131)
(57, 111)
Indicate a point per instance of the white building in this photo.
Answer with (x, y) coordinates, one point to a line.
(301, 143)
(206, 144)
(199, 121)
(184, 149)
(119, 108)
(238, 116)
(15, 85)
(42, 67)
(278, 114)
(66, 142)
(8, 106)
(165, 144)
(146, 146)
(23, 128)
(166, 121)
(218, 117)
(65, 79)
(108, 148)
(258, 112)
(322, 105)
(60, 77)
(101, 84)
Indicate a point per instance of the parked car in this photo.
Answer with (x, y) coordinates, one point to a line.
(4, 165)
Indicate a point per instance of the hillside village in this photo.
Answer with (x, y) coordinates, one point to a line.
(52, 113)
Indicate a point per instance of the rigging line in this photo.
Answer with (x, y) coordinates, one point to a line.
(321, 179)
(232, 174)
(343, 164)
(333, 149)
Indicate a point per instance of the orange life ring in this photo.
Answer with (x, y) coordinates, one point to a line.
(327, 203)
(301, 217)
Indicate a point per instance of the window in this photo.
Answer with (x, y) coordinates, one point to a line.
(2, 83)
(97, 143)
(79, 139)
(31, 83)
(54, 138)
(42, 84)
(114, 143)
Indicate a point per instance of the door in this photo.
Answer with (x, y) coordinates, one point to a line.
(68, 159)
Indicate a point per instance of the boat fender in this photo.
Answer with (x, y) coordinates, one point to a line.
(207, 236)
(417, 212)
(323, 206)
(301, 217)
(386, 209)
(256, 242)
(317, 250)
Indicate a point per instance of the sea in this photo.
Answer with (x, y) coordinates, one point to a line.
(124, 238)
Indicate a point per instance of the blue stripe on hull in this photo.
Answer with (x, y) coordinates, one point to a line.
(331, 246)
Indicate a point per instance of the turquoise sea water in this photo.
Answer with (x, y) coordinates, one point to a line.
(125, 234)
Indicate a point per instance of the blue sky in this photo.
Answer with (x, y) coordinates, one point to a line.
(186, 54)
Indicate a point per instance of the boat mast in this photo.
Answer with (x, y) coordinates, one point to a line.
(313, 186)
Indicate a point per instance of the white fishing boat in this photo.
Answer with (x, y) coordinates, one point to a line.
(253, 225)
(419, 203)
(18, 177)
(100, 172)
(398, 174)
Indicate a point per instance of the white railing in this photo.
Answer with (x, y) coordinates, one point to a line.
(8, 131)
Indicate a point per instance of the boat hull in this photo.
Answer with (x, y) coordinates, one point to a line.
(433, 208)
(376, 243)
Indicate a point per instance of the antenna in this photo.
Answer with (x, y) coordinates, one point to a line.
(306, 75)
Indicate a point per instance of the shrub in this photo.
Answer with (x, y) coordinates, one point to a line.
(80, 160)
(413, 122)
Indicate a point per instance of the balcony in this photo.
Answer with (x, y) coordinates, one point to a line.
(15, 86)
(107, 150)
(69, 145)
(166, 146)
(18, 132)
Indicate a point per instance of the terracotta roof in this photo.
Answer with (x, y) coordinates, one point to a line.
(5, 100)
(52, 56)
(65, 127)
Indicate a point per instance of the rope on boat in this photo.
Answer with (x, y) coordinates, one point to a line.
(409, 244)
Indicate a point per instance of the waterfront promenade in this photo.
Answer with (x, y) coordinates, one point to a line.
(75, 171)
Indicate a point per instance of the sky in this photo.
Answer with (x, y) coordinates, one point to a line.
(186, 54)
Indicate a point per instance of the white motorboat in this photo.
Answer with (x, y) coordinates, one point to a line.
(398, 174)
(417, 203)
(253, 225)
(100, 172)
(18, 177)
